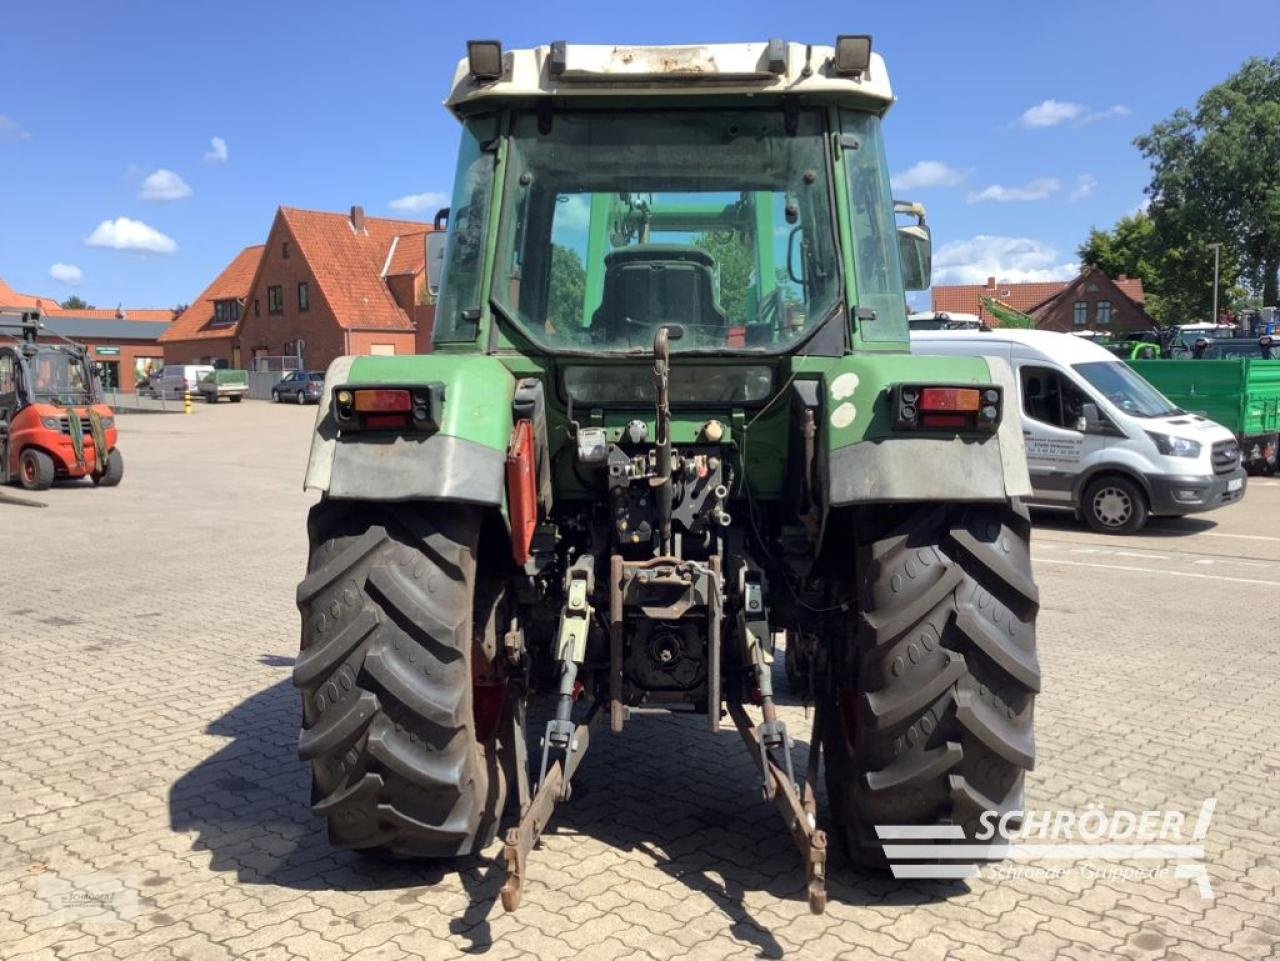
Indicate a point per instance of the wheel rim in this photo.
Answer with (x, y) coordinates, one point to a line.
(1112, 506)
(29, 470)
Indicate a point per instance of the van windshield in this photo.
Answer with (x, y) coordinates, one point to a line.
(1124, 388)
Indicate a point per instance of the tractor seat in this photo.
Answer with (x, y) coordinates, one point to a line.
(648, 285)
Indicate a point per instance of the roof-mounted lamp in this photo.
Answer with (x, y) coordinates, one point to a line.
(484, 60)
(853, 54)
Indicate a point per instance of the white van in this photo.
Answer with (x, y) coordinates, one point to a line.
(172, 381)
(1100, 439)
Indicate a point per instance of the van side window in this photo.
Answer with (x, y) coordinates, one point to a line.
(1050, 398)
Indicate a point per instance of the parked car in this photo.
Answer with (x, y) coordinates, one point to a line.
(1101, 440)
(299, 386)
(231, 384)
(173, 381)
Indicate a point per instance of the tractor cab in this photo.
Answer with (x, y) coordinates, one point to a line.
(53, 424)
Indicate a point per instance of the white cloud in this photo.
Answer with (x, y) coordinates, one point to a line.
(1039, 189)
(928, 173)
(217, 152)
(416, 203)
(1050, 113)
(125, 234)
(66, 273)
(1086, 184)
(574, 214)
(1119, 110)
(1008, 259)
(164, 185)
(10, 129)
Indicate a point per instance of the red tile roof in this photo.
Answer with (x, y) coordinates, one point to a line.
(11, 298)
(409, 255)
(967, 298)
(234, 282)
(348, 264)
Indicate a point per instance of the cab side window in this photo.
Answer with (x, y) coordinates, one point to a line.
(8, 386)
(1050, 398)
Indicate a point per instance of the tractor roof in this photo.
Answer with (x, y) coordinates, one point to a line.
(584, 72)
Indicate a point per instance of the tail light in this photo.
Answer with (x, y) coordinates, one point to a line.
(947, 407)
(387, 407)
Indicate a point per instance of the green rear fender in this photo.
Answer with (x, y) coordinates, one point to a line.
(464, 460)
(867, 461)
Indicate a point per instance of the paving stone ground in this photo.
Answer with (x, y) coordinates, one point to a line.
(152, 807)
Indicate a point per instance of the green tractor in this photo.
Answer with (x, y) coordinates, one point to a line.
(670, 424)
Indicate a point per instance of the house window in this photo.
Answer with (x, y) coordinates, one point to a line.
(225, 312)
(275, 299)
(284, 250)
(1080, 313)
(257, 307)
(1104, 312)
(382, 350)
(304, 296)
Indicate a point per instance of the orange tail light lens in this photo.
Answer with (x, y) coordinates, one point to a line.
(949, 399)
(382, 401)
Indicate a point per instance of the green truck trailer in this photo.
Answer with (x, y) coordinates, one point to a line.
(1242, 394)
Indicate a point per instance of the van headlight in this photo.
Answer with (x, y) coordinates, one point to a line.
(1174, 446)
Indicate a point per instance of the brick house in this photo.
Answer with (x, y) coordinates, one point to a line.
(205, 333)
(323, 285)
(1090, 302)
(123, 341)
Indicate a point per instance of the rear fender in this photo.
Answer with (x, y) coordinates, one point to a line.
(464, 460)
(868, 461)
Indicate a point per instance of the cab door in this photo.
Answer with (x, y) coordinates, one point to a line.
(1058, 445)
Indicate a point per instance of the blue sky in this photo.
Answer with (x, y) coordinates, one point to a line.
(108, 113)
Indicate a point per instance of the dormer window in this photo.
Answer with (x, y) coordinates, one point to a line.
(284, 250)
(225, 312)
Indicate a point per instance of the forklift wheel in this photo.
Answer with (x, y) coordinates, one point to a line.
(36, 470)
(114, 472)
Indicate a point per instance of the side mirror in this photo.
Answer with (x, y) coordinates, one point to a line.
(1089, 421)
(435, 260)
(915, 248)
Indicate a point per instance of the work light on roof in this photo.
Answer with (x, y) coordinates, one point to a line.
(484, 60)
(853, 54)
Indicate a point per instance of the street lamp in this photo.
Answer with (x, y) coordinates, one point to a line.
(1217, 253)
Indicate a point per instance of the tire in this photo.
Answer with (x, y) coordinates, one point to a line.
(35, 470)
(1115, 505)
(385, 671)
(300, 397)
(930, 719)
(275, 397)
(236, 398)
(114, 472)
(211, 398)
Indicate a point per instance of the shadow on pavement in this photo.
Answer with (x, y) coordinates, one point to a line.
(685, 800)
(1061, 520)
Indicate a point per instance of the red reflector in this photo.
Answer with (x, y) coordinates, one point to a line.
(382, 400)
(949, 398)
(385, 421)
(944, 420)
(522, 493)
(736, 337)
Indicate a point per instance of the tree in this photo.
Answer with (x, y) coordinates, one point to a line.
(735, 263)
(1216, 179)
(75, 303)
(568, 289)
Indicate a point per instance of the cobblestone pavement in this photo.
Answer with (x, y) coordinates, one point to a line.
(151, 805)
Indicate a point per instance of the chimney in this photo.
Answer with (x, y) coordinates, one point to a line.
(357, 219)
(991, 283)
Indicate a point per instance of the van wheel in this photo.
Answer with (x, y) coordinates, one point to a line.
(275, 397)
(1115, 505)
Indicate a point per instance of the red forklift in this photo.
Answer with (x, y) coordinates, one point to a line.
(53, 424)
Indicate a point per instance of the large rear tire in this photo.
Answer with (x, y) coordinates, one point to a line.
(386, 678)
(930, 718)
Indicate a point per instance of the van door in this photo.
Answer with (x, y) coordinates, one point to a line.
(1057, 449)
